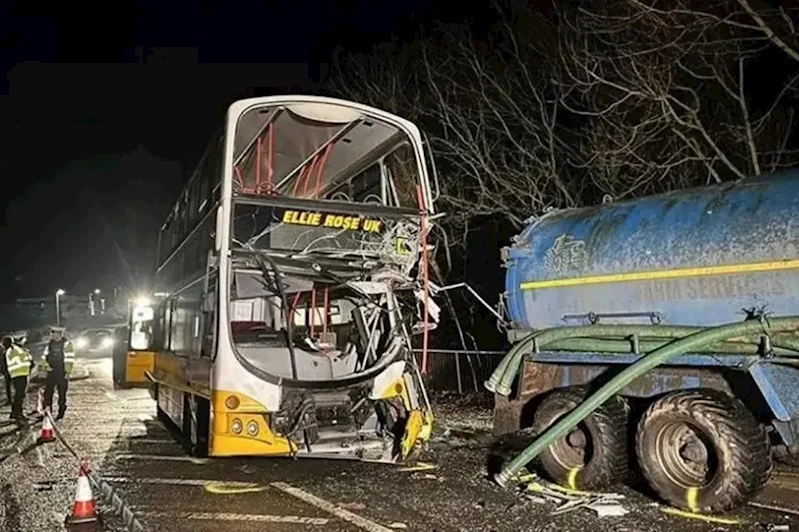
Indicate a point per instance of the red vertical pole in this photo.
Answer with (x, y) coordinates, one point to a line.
(313, 309)
(324, 316)
(258, 150)
(425, 274)
(293, 308)
(320, 169)
(270, 155)
(308, 175)
(298, 180)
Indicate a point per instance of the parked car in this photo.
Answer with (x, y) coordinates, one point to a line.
(95, 341)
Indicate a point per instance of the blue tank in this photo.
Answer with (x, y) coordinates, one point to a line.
(697, 257)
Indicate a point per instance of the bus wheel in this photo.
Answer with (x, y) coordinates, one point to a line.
(596, 453)
(195, 425)
(702, 450)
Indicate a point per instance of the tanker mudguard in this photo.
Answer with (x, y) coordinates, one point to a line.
(698, 257)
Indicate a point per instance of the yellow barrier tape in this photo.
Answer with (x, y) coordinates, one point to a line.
(691, 499)
(703, 517)
(420, 466)
(221, 488)
(572, 482)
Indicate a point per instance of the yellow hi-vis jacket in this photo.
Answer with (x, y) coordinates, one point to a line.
(19, 361)
(69, 358)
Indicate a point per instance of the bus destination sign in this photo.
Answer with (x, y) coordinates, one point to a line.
(332, 221)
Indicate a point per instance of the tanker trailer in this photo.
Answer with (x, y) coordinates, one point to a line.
(591, 291)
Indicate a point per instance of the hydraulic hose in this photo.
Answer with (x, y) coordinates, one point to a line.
(622, 346)
(503, 376)
(640, 367)
(502, 379)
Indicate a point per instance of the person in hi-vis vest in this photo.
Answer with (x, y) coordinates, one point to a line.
(18, 364)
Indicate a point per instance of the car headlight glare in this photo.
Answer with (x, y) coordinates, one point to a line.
(108, 342)
(81, 343)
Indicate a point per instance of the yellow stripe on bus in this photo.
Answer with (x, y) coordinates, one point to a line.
(664, 274)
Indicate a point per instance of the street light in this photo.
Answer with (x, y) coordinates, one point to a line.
(97, 291)
(58, 293)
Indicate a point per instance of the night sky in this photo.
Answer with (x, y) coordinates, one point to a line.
(105, 112)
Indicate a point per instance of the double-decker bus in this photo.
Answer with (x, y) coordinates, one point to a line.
(293, 273)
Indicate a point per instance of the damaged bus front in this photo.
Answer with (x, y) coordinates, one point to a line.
(315, 284)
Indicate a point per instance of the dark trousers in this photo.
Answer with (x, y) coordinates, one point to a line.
(56, 379)
(7, 380)
(20, 384)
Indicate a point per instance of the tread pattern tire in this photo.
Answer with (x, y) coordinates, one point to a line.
(607, 428)
(739, 442)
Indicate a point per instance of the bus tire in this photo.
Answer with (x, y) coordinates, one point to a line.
(702, 450)
(594, 455)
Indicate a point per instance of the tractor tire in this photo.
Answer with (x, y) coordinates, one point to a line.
(596, 454)
(702, 451)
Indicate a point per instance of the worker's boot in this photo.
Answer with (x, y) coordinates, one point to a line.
(61, 413)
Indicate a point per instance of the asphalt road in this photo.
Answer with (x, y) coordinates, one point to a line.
(168, 491)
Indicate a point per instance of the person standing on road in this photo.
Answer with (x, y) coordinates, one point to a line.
(6, 376)
(18, 362)
(59, 357)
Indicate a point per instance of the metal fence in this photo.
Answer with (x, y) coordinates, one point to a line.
(459, 370)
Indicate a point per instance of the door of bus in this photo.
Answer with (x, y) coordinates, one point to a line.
(132, 363)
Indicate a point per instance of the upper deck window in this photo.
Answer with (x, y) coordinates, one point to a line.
(323, 151)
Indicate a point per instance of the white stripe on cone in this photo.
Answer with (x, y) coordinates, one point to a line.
(46, 434)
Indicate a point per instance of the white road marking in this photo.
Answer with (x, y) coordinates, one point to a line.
(165, 458)
(177, 481)
(151, 440)
(262, 518)
(341, 513)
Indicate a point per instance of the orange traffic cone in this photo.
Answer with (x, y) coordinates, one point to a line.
(84, 509)
(46, 435)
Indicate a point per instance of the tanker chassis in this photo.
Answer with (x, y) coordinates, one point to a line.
(591, 291)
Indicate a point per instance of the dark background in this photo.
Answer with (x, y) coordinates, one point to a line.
(104, 113)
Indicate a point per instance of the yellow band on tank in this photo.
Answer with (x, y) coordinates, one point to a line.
(664, 274)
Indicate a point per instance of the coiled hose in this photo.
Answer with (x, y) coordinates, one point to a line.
(659, 356)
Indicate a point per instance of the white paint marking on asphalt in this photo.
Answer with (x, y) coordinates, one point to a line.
(166, 458)
(177, 481)
(258, 518)
(341, 513)
(151, 440)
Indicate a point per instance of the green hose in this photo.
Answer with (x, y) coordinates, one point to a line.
(502, 378)
(651, 360)
(512, 360)
(621, 346)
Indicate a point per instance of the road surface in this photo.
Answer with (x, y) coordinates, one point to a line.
(170, 492)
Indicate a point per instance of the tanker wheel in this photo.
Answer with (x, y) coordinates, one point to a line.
(702, 450)
(595, 454)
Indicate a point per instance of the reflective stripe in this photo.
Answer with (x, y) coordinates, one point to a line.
(18, 361)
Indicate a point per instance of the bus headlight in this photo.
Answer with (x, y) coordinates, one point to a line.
(236, 426)
(252, 428)
(80, 343)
